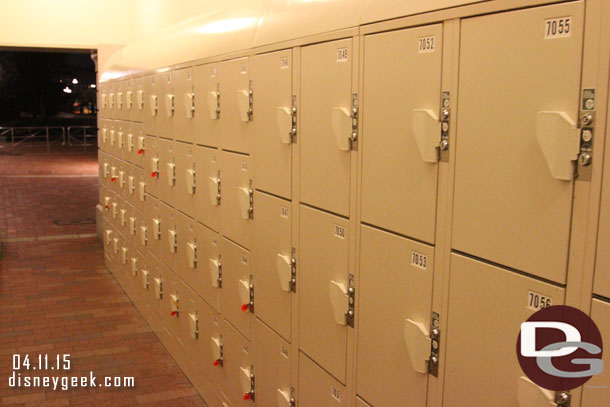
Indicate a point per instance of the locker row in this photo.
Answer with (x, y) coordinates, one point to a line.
(367, 203)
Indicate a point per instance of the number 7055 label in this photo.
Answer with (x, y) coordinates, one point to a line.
(558, 27)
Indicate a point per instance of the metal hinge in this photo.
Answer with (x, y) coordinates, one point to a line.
(218, 196)
(251, 207)
(217, 100)
(443, 146)
(251, 102)
(251, 303)
(293, 269)
(563, 399)
(219, 271)
(351, 294)
(293, 112)
(435, 340)
(587, 128)
(355, 111)
(221, 361)
(252, 383)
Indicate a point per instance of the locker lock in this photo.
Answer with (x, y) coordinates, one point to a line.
(140, 151)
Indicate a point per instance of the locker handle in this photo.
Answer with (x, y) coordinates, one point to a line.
(145, 279)
(339, 301)
(129, 99)
(157, 229)
(244, 201)
(124, 252)
(190, 181)
(216, 347)
(243, 289)
(213, 189)
(189, 107)
(140, 99)
(153, 105)
(194, 326)
(142, 191)
(243, 105)
(169, 105)
(283, 117)
(172, 241)
(283, 398)
(115, 245)
(158, 288)
(426, 131)
(244, 378)
(108, 236)
(559, 141)
(417, 339)
(192, 254)
(284, 271)
(143, 235)
(132, 225)
(342, 127)
(130, 142)
(531, 395)
(214, 265)
(134, 266)
(171, 174)
(213, 104)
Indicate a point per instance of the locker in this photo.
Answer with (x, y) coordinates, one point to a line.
(236, 105)
(185, 188)
(102, 134)
(115, 209)
(207, 196)
(487, 305)
(141, 180)
(137, 109)
(207, 280)
(151, 105)
(125, 212)
(602, 265)
(167, 103)
(237, 365)
(272, 361)
(154, 226)
(120, 128)
(323, 285)
(235, 203)
(130, 190)
(102, 100)
(187, 333)
(511, 205)
(139, 145)
(317, 388)
(110, 96)
(111, 137)
(208, 333)
(156, 292)
(104, 168)
(129, 144)
(184, 104)
(118, 100)
(167, 172)
(326, 86)
(402, 95)
(143, 233)
(272, 262)
(596, 391)
(153, 166)
(207, 105)
(187, 261)
(137, 264)
(236, 302)
(171, 313)
(273, 126)
(128, 102)
(169, 236)
(400, 272)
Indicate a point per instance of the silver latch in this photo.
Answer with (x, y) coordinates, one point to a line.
(251, 102)
(293, 270)
(443, 147)
(218, 100)
(218, 195)
(563, 399)
(435, 340)
(293, 113)
(219, 271)
(351, 294)
(587, 130)
(251, 197)
(355, 111)
(251, 303)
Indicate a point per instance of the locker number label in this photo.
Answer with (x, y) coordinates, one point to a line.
(537, 301)
(342, 55)
(335, 393)
(284, 351)
(558, 27)
(244, 259)
(425, 44)
(284, 63)
(419, 260)
(283, 212)
(339, 231)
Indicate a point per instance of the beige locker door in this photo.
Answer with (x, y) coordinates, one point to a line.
(127, 99)
(234, 123)
(323, 270)
(317, 388)
(102, 133)
(169, 236)
(207, 202)
(235, 282)
(137, 110)
(509, 207)
(188, 318)
(138, 263)
(326, 87)
(596, 392)
(155, 289)
(152, 99)
(206, 277)
(131, 186)
(139, 144)
(208, 327)
(602, 265)
(152, 166)
(170, 314)
(273, 361)
(167, 100)
(187, 264)
(400, 272)
(234, 201)
(102, 100)
(185, 176)
(143, 234)
(207, 101)
(272, 141)
(272, 262)
(110, 102)
(166, 177)
(142, 181)
(129, 152)
(184, 104)
(401, 130)
(154, 226)
(121, 108)
(237, 356)
(487, 305)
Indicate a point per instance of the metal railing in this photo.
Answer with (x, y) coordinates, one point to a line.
(66, 135)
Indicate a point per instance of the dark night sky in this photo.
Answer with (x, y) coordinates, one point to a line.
(31, 91)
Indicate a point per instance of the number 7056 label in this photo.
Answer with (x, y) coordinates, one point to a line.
(537, 301)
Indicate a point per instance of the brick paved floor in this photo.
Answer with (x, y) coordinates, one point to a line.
(56, 297)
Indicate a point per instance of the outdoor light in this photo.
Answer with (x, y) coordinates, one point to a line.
(74, 81)
(67, 90)
(92, 85)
